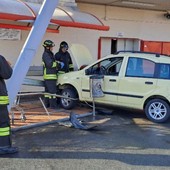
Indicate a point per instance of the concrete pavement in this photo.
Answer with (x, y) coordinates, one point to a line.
(128, 142)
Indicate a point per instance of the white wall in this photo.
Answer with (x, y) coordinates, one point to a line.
(11, 48)
(128, 44)
(133, 23)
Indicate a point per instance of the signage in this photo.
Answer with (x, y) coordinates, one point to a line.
(10, 34)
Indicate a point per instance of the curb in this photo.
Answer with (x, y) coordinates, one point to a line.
(48, 123)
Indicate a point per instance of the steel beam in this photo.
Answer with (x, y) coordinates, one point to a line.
(30, 47)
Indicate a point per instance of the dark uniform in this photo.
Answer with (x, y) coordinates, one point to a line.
(5, 131)
(65, 58)
(49, 75)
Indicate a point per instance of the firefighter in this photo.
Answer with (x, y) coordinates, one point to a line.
(49, 74)
(63, 56)
(5, 131)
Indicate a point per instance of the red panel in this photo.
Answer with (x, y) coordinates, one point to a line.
(80, 25)
(15, 17)
(166, 48)
(151, 46)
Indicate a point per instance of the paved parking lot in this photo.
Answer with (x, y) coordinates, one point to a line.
(127, 141)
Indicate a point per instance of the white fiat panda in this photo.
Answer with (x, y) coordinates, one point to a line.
(130, 79)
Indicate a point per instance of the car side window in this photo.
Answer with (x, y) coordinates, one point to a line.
(164, 71)
(139, 67)
(110, 66)
(115, 67)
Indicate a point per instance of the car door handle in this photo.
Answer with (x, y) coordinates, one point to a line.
(112, 80)
(148, 82)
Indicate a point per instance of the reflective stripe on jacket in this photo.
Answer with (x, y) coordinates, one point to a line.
(71, 67)
(49, 66)
(48, 76)
(4, 100)
(5, 131)
(5, 73)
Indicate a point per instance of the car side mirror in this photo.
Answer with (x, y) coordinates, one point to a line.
(87, 72)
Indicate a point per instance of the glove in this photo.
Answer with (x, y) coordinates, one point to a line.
(61, 64)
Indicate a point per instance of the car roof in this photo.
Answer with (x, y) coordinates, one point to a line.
(147, 55)
(140, 52)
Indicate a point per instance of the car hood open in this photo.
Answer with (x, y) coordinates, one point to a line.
(81, 56)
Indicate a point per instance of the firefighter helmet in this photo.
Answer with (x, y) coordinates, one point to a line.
(64, 44)
(48, 43)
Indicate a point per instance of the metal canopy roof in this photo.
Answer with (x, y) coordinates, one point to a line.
(20, 15)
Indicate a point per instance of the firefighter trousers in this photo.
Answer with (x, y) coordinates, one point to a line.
(50, 87)
(5, 131)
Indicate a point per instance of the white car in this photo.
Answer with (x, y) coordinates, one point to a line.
(128, 79)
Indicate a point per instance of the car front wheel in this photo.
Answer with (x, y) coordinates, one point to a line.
(157, 110)
(70, 101)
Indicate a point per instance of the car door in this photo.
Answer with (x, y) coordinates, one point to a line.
(108, 68)
(139, 81)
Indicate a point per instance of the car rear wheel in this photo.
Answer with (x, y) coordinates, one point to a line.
(68, 103)
(157, 110)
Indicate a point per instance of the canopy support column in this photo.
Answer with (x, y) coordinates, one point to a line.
(30, 47)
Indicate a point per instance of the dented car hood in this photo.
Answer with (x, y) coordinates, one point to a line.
(80, 55)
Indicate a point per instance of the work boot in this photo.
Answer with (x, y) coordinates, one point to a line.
(8, 150)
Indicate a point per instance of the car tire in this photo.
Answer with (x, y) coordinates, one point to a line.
(157, 110)
(68, 103)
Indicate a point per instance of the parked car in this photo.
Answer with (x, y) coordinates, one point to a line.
(135, 80)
